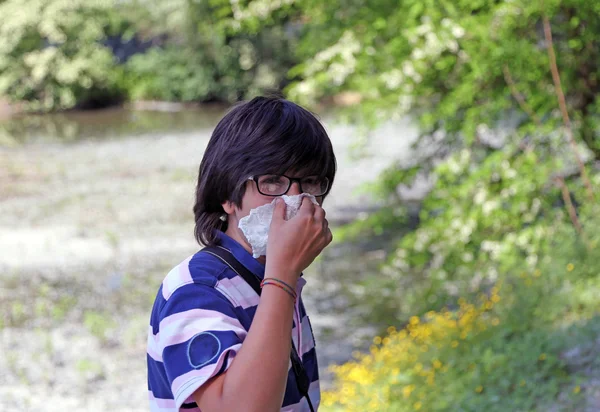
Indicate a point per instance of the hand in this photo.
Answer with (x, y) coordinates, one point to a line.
(294, 244)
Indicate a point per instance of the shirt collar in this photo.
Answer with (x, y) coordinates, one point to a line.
(242, 255)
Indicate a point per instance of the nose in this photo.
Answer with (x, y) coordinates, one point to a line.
(294, 189)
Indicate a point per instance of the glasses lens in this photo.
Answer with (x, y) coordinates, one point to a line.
(273, 185)
(315, 185)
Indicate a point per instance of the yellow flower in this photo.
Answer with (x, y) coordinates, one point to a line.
(417, 406)
(414, 320)
(577, 389)
(570, 267)
(537, 273)
(391, 329)
(542, 357)
(407, 390)
(454, 343)
(437, 364)
(479, 389)
(328, 399)
(377, 340)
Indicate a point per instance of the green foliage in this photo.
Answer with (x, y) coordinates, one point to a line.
(477, 77)
(51, 55)
(503, 351)
(445, 61)
(170, 75)
(459, 68)
(486, 215)
(240, 69)
(208, 56)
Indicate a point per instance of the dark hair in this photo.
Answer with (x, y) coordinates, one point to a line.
(264, 135)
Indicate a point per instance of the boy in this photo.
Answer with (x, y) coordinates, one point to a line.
(214, 345)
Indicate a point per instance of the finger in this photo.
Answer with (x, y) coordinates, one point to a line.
(307, 206)
(279, 211)
(319, 213)
(328, 236)
(325, 225)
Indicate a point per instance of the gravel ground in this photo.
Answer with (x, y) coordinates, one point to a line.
(87, 232)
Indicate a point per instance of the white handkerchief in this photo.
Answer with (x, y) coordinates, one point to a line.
(256, 225)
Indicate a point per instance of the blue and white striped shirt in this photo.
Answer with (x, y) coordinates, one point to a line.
(200, 318)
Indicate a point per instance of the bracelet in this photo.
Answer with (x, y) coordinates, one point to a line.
(280, 281)
(292, 294)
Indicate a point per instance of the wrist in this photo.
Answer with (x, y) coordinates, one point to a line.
(285, 286)
(282, 272)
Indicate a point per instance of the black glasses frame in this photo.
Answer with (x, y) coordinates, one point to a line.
(291, 179)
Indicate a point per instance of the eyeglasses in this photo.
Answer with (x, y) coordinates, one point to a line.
(277, 185)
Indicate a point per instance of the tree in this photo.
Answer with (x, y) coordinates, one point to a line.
(450, 63)
(478, 76)
(52, 54)
(59, 54)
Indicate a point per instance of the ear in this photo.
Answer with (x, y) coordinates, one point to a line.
(228, 207)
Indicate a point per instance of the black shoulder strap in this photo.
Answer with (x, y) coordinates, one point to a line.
(227, 257)
(302, 379)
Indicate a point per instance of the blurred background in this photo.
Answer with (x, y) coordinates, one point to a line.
(465, 272)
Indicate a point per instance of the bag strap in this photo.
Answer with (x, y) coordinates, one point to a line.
(302, 379)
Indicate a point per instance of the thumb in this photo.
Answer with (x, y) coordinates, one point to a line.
(279, 211)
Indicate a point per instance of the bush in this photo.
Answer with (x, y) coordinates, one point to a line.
(60, 54)
(170, 75)
(51, 53)
(212, 69)
(502, 352)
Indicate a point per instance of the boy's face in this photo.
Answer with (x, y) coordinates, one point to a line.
(251, 200)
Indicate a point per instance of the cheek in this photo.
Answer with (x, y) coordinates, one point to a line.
(252, 201)
(257, 201)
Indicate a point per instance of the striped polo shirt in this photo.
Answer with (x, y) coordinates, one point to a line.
(201, 315)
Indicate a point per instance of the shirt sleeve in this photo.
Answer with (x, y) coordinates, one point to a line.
(199, 335)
